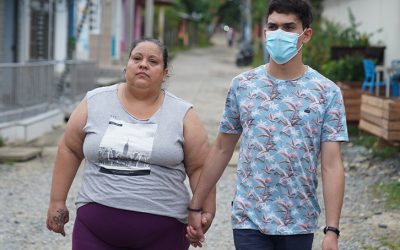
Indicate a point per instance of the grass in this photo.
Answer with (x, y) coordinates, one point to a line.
(372, 142)
(390, 243)
(390, 192)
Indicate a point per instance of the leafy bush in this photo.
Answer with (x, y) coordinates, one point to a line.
(349, 68)
(328, 34)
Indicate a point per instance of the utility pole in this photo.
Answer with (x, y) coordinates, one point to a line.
(148, 32)
(247, 27)
(131, 11)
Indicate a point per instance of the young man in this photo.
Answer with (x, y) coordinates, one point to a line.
(287, 115)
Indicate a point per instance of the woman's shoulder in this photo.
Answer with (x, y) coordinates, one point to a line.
(101, 90)
(177, 100)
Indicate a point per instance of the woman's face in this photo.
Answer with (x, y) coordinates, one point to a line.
(145, 67)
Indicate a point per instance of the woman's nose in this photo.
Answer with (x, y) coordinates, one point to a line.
(143, 64)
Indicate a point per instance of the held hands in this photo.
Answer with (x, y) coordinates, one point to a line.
(330, 242)
(198, 225)
(57, 217)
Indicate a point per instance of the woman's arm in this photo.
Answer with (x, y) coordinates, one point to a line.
(68, 159)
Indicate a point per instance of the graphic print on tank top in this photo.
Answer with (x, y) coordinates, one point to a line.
(126, 148)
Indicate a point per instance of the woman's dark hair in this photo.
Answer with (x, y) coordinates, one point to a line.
(301, 8)
(162, 47)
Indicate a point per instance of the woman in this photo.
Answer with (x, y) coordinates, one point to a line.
(139, 142)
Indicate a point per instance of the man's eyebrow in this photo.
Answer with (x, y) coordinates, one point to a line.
(283, 24)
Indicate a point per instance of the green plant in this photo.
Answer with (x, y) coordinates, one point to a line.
(349, 68)
(372, 142)
(203, 40)
(2, 142)
(258, 59)
(327, 34)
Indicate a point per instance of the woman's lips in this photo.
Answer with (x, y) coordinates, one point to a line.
(142, 74)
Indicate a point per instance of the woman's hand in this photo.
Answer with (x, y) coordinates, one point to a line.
(196, 237)
(57, 217)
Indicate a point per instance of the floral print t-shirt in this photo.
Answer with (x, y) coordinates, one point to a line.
(282, 124)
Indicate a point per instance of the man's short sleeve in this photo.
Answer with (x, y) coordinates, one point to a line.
(334, 124)
(230, 121)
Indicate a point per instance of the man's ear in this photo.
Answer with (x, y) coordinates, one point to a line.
(124, 70)
(307, 35)
(265, 34)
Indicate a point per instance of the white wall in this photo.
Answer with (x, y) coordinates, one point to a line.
(373, 15)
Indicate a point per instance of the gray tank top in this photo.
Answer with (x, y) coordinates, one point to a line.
(134, 164)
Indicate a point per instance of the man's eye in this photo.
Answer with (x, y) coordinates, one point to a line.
(288, 28)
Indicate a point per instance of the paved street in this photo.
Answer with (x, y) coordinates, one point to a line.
(201, 76)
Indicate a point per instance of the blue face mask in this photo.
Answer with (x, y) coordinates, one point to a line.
(282, 45)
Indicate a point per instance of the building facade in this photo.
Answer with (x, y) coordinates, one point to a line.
(379, 18)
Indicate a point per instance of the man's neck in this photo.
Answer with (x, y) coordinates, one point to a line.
(288, 71)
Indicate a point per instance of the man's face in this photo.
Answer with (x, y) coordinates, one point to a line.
(288, 23)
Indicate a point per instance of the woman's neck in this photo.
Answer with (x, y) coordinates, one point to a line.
(140, 103)
(149, 96)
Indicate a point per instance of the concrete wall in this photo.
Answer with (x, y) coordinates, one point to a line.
(373, 15)
(29, 129)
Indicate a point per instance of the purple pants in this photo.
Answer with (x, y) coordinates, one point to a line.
(100, 227)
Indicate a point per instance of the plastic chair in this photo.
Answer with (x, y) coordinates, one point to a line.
(369, 76)
(395, 79)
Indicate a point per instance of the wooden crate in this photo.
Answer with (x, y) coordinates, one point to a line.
(351, 92)
(380, 116)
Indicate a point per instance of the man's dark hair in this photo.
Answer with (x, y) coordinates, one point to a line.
(301, 8)
(162, 47)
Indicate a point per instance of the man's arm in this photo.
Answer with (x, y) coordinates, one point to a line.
(333, 189)
(216, 162)
(196, 148)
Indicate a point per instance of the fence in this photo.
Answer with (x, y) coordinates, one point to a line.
(31, 88)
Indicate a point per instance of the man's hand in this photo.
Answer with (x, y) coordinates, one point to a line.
(330, 241)
(206, 220)
(57, 217)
